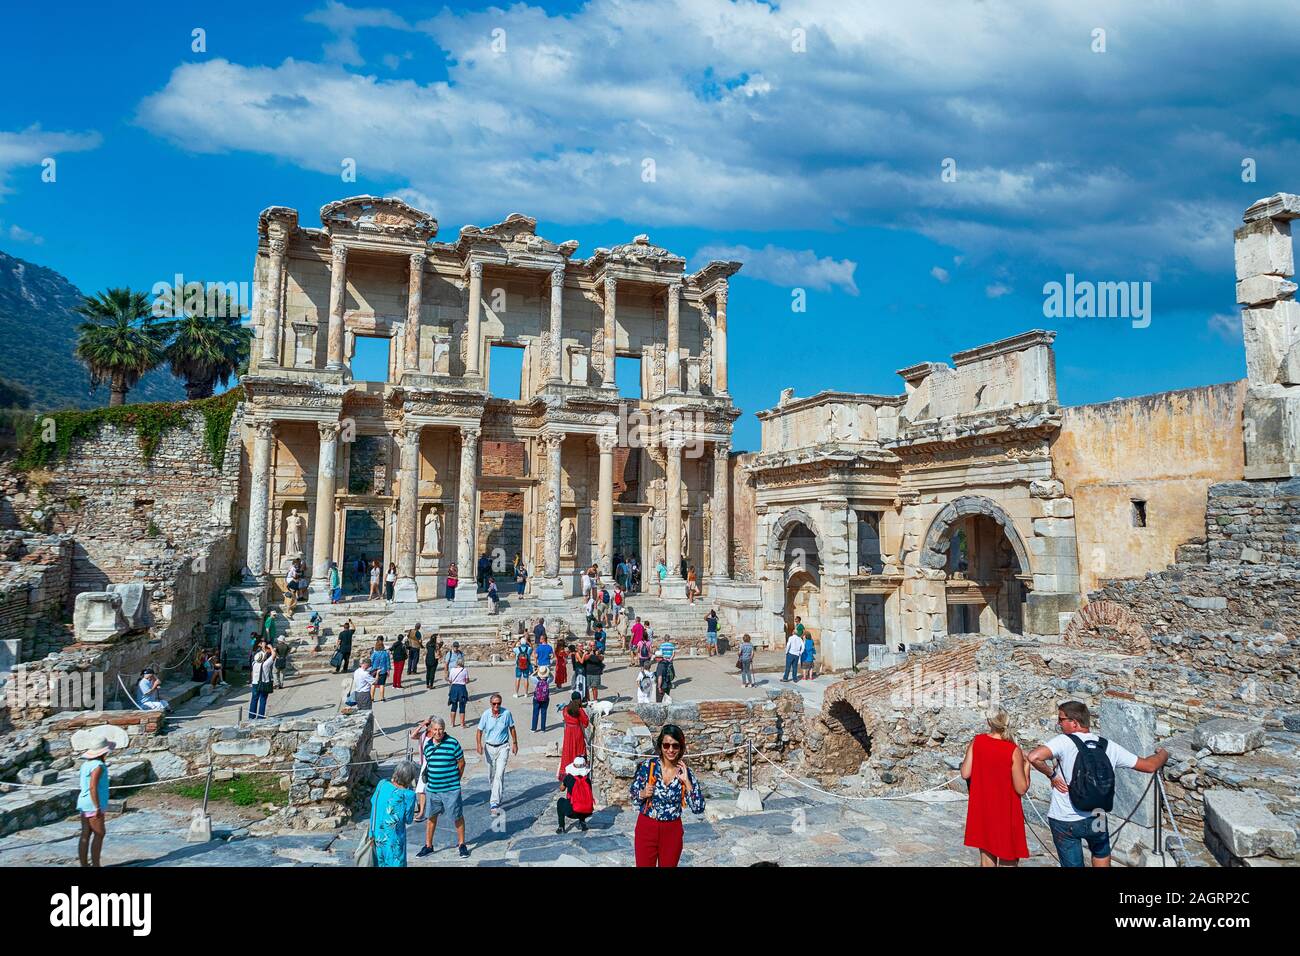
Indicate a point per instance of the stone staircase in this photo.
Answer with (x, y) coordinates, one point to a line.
(480, 633)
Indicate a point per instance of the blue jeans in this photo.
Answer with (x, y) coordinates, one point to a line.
(539, 713)
(1068, 838)
(257, 704)
(791, 667)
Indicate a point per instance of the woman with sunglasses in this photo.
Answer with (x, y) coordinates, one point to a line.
(663, 788)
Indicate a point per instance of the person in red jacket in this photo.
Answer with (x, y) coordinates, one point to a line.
(998, 776)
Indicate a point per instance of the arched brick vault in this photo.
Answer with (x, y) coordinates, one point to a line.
(784, 524)
(934, 553)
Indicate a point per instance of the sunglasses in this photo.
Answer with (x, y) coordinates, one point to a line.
(669, 745)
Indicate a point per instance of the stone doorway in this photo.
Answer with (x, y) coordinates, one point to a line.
(503, 538)
(627, 538)
(363, 537)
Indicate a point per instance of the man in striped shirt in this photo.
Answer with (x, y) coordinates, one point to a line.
(444, 765)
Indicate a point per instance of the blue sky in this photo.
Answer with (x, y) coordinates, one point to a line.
(806, 139)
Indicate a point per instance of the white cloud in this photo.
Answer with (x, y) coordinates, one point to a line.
(1053, 158)
(18, 234)
(31, 146)
(1226, 325)
(997, 290)
(940, 273)
(789, 268)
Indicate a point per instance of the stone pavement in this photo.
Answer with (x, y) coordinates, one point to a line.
(795, 829)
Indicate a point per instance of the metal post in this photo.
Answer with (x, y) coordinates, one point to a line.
(207, 787)
(749, 762)
(1156, 796)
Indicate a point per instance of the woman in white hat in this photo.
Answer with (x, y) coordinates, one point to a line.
(93, 799)
(578, 802)
(541, 683)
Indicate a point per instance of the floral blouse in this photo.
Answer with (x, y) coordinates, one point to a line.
(667, 803)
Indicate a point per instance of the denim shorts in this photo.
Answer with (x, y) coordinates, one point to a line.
(444, 802)
(1067, 837)
(457, 698)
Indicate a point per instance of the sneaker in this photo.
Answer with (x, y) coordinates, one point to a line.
(559, 829)
(425, 851)
(494, 809)
(582, 825)
(464, 851)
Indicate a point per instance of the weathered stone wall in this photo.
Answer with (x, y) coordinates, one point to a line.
(317, 762)
(1165, 450)
(775, 726)
(35, 574)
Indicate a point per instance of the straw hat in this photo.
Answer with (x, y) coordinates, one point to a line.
(97, 741)
(543, 672)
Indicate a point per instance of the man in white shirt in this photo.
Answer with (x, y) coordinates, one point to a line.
(362, 682)
(1070, 826)
(793, 651)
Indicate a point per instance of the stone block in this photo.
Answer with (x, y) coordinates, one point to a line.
(97, 617)
(1263, 247)
(259, 747)
(1054, 527)
(1227, 735)
(1133, 727)
(1206, 603)
(1043, 610)
(1059, 508)
(1245, 826)
(135, 603)
(1261, 289)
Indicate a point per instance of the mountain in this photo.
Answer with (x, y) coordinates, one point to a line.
(38, 331)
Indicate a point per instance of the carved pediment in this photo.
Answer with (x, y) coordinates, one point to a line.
(373, 215)
(516, 234)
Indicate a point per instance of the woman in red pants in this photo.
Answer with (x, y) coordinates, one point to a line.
(663, 788)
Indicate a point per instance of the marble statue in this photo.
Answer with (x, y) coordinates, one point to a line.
(432, 532)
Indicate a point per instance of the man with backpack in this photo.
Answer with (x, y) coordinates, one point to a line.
(523, 664)
(664, 677)
(1083, 783)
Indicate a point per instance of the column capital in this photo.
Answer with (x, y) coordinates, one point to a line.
(470, 433)
(339, 253)
(553, 438)
(329, 431)
(721, 452)
(720, 294)
(265, 428)
(675, 441)
(408, 436)
(278, 245)
(418, 259)
(674, 289)
(475, 270)
(557, 277)
(611, 287)
(607, 440)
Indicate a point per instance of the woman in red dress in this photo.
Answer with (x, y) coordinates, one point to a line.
(561, 664)
(575, 738)
(998, 775)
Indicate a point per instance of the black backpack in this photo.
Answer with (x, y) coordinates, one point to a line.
(1092, 783)
(399, 651)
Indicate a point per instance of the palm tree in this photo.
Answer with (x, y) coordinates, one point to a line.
(120, 341)
(209, 345)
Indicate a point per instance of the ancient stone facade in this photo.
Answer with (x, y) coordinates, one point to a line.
(892, 520)
(425, 468)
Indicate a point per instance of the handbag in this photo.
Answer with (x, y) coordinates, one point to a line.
(337, 660)
(364, 854)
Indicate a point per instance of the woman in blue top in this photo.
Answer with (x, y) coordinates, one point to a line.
(392, 809)
(381, 662)
(92, 799)
(663, 788)
(809, 656)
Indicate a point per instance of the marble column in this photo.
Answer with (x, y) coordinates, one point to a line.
(408, 440)
(720, 546)
(551, 545)
(475, 325)
(467, 514)
(338, 300)
(271, 333)
(606, 441)
(259, 498)
(555, 374)
(673, 546)
(322, 536)
(673, 358)
(414, 296)
(611, 331)
(720, 342)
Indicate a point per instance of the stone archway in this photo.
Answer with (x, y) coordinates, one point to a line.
(934, 552)
(785, 526)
